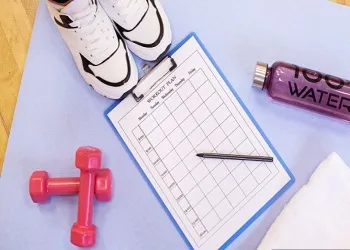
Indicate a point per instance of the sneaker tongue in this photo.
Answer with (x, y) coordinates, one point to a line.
(75, 6)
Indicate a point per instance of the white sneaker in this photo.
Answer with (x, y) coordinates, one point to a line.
(98, 50)
(143, 24)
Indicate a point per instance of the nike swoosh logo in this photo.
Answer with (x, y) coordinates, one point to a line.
(86, 63)
(146, 45)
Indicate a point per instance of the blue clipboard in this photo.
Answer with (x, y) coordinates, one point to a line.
(264, 208)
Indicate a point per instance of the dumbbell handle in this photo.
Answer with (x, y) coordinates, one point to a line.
(86, 195)
(63, 186)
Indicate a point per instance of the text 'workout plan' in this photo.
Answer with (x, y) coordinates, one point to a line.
(193, 110)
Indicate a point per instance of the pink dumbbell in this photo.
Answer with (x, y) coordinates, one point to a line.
(41, 187)
(88, 160)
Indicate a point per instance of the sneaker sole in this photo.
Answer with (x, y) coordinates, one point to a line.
(163, 54)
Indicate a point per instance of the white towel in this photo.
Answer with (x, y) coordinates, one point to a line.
(318, 216)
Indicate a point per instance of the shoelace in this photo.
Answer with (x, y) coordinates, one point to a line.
(126, 7)
(96, 38)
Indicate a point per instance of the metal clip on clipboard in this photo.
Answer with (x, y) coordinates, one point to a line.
(153, 76)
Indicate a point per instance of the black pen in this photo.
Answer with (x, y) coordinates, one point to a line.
(236, 157)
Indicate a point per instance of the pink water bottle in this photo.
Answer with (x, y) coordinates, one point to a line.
(305, 88)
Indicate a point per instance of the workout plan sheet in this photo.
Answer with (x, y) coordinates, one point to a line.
(193, 110)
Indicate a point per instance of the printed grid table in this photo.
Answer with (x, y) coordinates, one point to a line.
(196, 120)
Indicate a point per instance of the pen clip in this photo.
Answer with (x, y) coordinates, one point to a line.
(153, 76)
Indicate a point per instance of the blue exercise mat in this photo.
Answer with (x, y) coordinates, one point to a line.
(57, 112)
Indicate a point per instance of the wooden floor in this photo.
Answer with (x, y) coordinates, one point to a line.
(16, 22)
(344, 2)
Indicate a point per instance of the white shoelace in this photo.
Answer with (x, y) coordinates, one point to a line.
(95, 37)
(126, 7)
